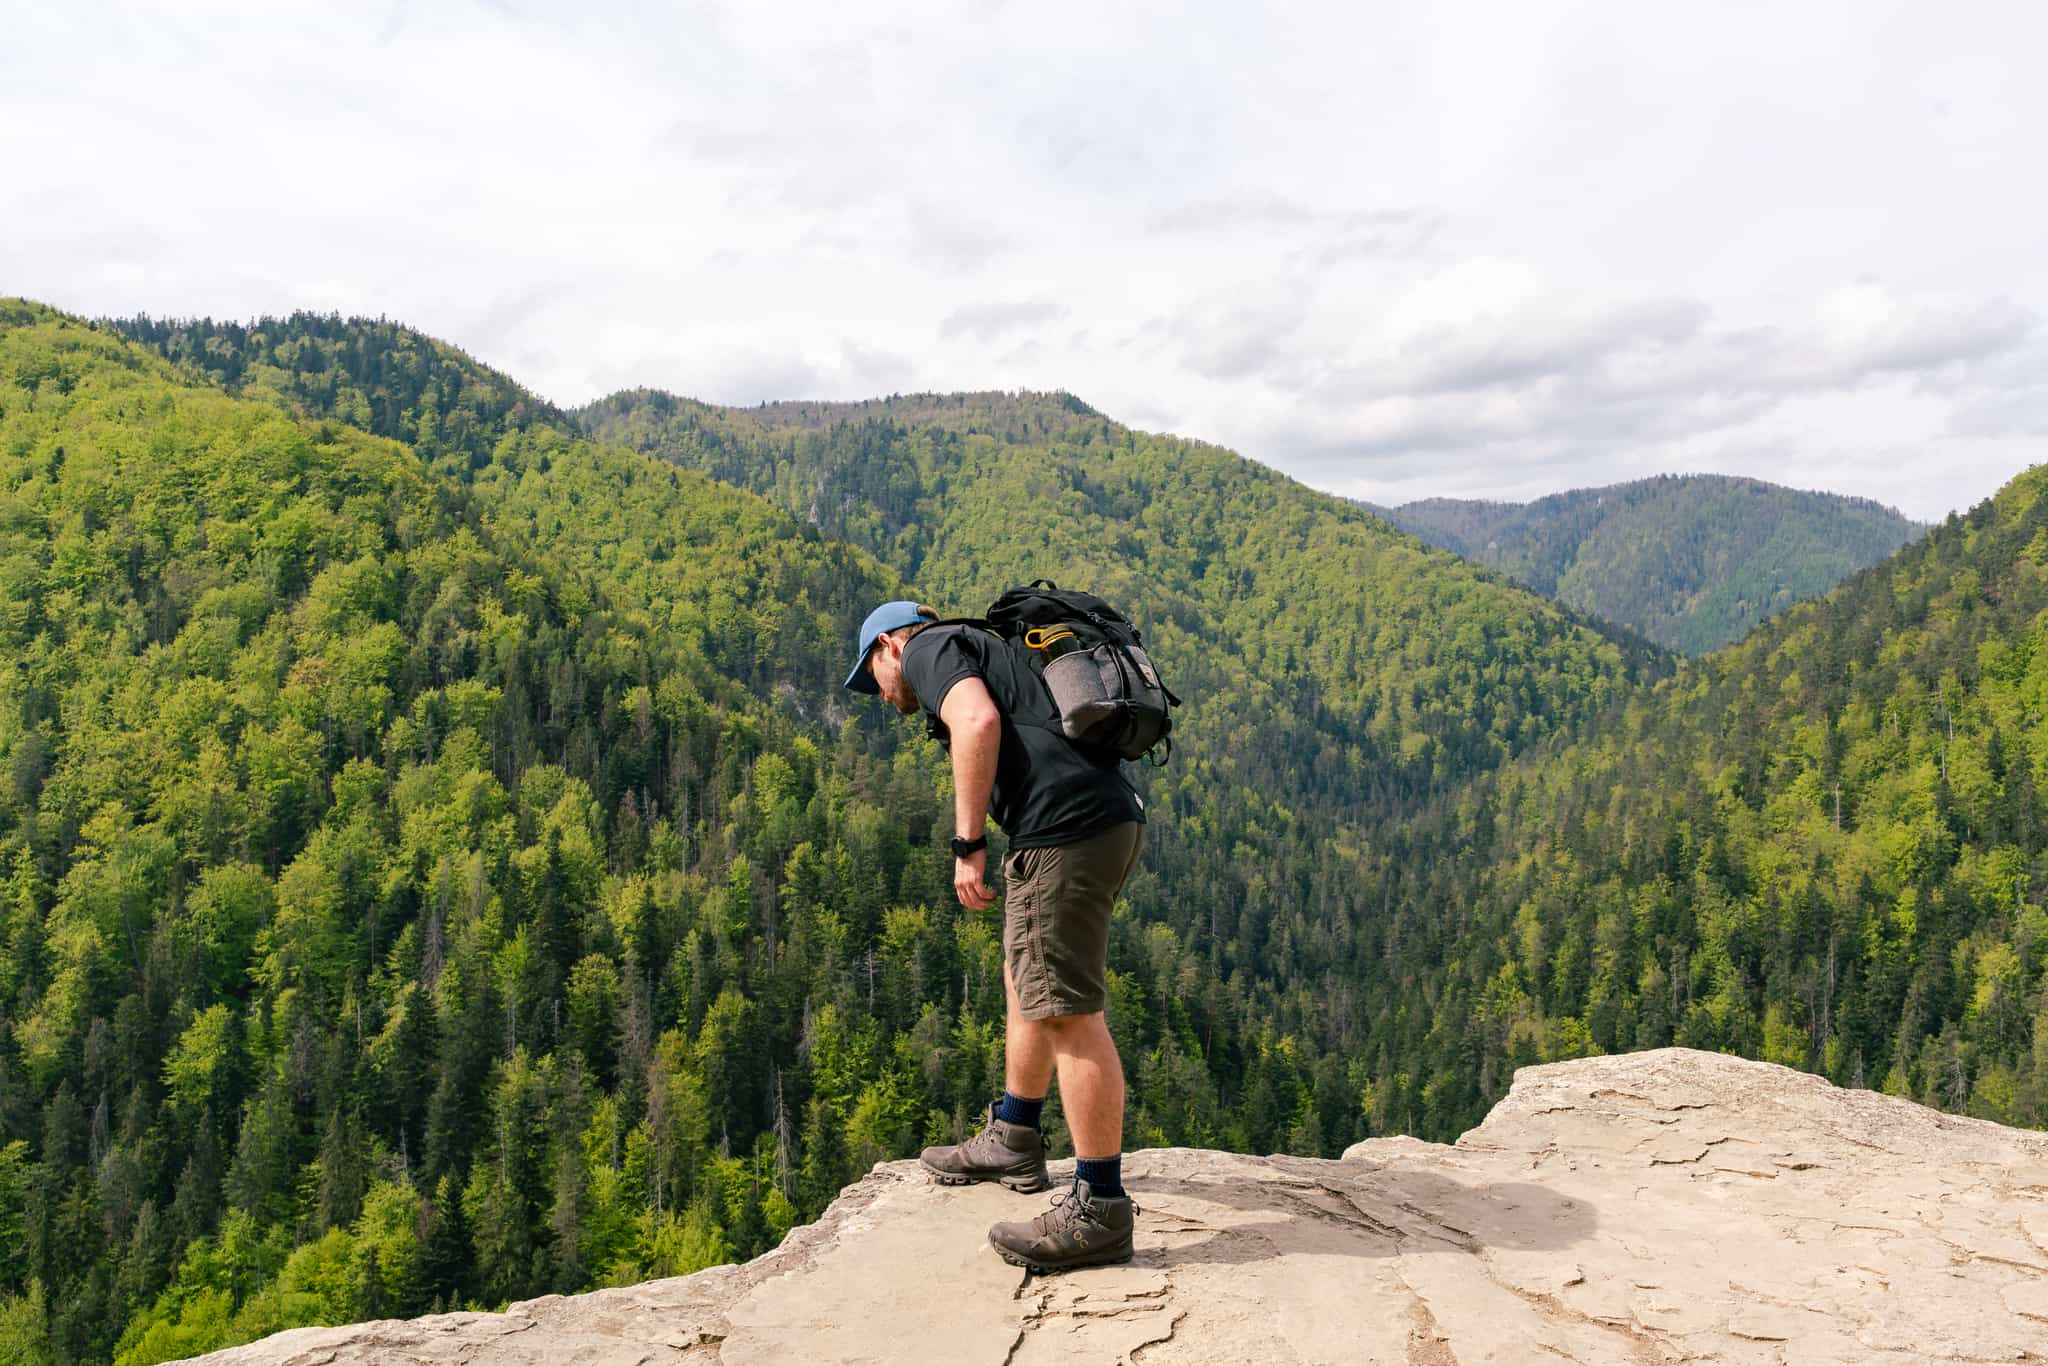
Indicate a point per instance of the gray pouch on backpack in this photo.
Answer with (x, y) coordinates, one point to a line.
(1108, 695)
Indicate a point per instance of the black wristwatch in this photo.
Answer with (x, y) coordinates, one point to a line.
(962, 848)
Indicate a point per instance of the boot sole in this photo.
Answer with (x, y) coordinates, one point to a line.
(1023, 1185)
(1116, 1258)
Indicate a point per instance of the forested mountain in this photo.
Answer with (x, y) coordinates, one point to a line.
(374, 375)
(1281, 604)
(1691, 561)
(448, 871)
(1823, 847)
(1646, 884)
(446, 868)
(1015, 416)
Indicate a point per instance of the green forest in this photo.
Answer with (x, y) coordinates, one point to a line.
(449, 871)
(1693, 561)
(1783, 849)
(443, 868)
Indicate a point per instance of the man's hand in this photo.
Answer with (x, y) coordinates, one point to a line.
(970, 883)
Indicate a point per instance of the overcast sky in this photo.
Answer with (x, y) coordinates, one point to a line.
(1476, 250)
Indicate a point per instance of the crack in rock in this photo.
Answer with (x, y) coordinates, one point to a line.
(1167, 1336)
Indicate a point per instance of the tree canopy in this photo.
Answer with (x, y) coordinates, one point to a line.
(442, 866)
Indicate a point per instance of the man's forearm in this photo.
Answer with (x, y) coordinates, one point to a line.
(974, 775)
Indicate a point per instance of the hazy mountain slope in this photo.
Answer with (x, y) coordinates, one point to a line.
(1693, 562)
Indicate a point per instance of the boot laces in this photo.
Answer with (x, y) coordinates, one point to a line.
(984, 1133)
(1070, 1206)
(1067, 1207)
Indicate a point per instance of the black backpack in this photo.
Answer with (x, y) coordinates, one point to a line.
(1094, 664)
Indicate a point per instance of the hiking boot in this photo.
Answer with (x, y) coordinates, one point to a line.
(1013, 1154)
(1081, 1229)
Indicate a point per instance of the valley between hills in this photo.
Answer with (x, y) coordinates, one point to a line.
(442, 867)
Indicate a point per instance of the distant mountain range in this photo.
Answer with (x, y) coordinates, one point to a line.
(1690, 561)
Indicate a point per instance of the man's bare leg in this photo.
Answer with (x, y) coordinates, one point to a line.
(1098, 1229)
(1091, 1073)
(1091, 1082)
(1028, 1054)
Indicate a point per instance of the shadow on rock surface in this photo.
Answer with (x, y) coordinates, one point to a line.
(1320, 1208)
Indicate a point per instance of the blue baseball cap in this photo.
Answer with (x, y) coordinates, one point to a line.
(887, 617)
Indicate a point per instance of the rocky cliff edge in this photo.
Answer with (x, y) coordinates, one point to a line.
(1664, 1206)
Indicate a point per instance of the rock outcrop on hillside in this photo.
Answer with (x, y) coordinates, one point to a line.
(1665, 1206)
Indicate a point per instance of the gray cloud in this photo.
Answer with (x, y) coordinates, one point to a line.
(1938, 338)
(498, 322)
(1246, 344)
(1652, 371)
(116, 244)
(873, 370)
(1239, 210)
(1308, 237)
(1519, 352)
(955, 241)
(986, 322)
(394, 24)
(746, 378)
(745, 143)
(2005, 412)
(1357, 237)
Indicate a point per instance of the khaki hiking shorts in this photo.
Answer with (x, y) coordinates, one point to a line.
(1056, 904)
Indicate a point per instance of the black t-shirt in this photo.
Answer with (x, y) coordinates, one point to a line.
(1047, 790)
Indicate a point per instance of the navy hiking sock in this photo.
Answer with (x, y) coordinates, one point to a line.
(1104, 1175)
(1017, 1110)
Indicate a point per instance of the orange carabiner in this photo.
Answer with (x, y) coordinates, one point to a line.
(1038, 637)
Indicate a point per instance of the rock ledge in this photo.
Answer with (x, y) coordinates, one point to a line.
(1664, 1206)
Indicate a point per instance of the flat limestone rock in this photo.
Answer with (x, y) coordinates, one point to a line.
(1658, 1207)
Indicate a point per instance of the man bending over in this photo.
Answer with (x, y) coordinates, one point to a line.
(1075, 829)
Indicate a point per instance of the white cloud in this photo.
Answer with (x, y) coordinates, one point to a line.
(1458, 248)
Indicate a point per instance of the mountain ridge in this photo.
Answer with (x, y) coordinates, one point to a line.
(1691, 561)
